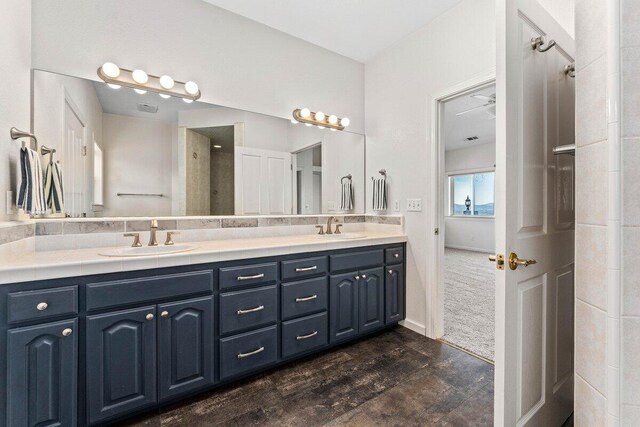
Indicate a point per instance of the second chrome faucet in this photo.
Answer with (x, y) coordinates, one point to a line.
(153, 236)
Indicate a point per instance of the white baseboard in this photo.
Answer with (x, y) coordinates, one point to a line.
(414, 326)
(468, 248)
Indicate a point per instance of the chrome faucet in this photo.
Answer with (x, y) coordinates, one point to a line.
(153, 240)
(329, 221)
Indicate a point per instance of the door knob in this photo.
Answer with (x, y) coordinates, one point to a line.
(499, 260)
(514, 261)
(149, 316)
(164, 314)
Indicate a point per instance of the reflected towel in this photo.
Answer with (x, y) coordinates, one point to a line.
(53, 187)
(380, 194)
(31, 194)
(346, 199)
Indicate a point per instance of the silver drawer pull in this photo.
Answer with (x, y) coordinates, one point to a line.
(304, 337)
(42, 306)
(303, 269)
(396, 255)
(251, 310)
(257, 276)
(309, 298)
(251, 353)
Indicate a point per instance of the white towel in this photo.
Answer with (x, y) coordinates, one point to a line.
(31, 195)
(346, 200)
(380, 194)
(53, 187)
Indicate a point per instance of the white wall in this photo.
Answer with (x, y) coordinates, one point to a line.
(471, 233)
(15, 66)
(562, 11)
(453, 48)
(137, 159)
(237, 62)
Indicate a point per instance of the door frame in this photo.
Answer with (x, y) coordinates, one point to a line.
(435, 262)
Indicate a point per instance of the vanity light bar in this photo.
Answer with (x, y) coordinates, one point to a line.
(141, 82)
(304, 115)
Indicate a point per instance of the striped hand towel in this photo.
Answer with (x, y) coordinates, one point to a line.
(31, 195)
(53, 187)
(346, 199)
(380, 194)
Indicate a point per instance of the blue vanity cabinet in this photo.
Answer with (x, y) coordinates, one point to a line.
(42, 374)
(395, 294)
(186, 356)
(343, 309)
(121, 368)
(371, 299)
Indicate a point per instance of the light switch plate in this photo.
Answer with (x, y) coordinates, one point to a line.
(414, 205)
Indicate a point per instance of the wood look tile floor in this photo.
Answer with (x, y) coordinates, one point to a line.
(394, 378)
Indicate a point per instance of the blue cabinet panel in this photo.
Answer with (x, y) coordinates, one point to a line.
(306, 267)
(371, 296)
(354, 261)
(248, 309)
(394, 255)
(248, 352)
(185, 347)
(245, 275)
(307, 333)
(304, 297)
(395, 291)
(121, 363)
(42, 375)
(343, 310)
(42, 304)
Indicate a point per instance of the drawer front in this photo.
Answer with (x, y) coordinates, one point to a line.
(42, 304)
(304, 334)
(257, 274)
(301, 268)
(144, 289)
(394, 255)
(248, 351)
(248, 309)
(357, 260)
(305, 297)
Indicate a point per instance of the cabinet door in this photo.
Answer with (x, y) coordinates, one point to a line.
(42, 375)
(344, 306)
(121, 362)
(185, 346)
(371, 299)
(394, 289)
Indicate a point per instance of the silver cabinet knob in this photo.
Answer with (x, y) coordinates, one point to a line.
(364, 276)
(390, 271)
(396, 255)
(357, 277)
(150, 316)
(164, 314)
(67, 332)
(42, 306)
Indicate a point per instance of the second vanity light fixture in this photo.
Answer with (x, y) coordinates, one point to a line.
(142, 82)
(308, 117)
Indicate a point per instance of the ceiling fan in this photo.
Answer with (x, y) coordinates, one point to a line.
(489, 107)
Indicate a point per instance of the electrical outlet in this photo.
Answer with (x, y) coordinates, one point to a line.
(414, 205)
(396, 205)
(9, 203)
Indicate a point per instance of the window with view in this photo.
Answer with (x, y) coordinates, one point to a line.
(472, 194)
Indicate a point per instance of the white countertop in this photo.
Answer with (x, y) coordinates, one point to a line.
(84, 262)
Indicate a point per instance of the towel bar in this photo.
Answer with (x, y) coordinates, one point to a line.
(140, 194)
(569, 149)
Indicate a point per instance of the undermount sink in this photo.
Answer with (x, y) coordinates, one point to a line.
(147, 251)
(343, 236)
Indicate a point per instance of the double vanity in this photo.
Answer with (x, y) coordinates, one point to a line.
(97, 348)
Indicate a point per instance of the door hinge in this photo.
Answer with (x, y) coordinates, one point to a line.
(83, 151)
(436, 231)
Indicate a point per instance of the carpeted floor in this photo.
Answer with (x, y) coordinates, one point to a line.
(469, 301)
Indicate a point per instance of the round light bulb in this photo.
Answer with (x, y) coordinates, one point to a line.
(307, 124)
(191, 88)
(140, 91)
(165, 96)
(294, 121)
(187, 100)
(305, 113)
(140, 77)
(112, 86)
(333, 119)
(217, 146)
(321, 127)
(320, 116)
(333, 129)
(345, 121)
(110, 70)
(166, 82)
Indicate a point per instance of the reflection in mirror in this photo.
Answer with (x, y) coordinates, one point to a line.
(129, 154)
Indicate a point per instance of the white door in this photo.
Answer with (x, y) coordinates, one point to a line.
(262, 182)
(534, 219)
(73, 173)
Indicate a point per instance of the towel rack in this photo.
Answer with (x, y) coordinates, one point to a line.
(17, 134)
(349, 177)
(44, 150)
(569, 149)
(382, 172)
(140, 194)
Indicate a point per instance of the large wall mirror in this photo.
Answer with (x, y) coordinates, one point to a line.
(124, 153)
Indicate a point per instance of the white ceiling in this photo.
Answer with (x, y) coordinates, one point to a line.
(476, 123)
(358, 29)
